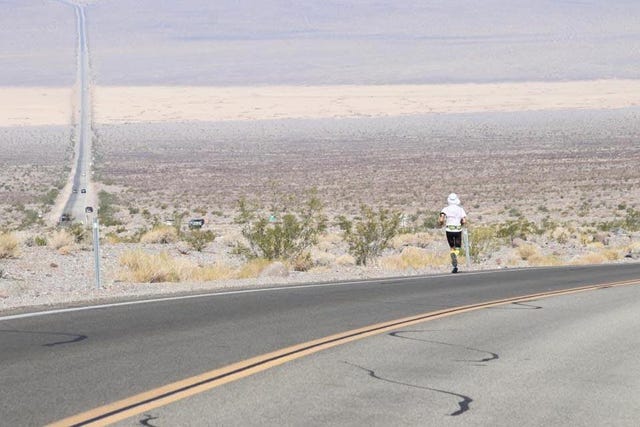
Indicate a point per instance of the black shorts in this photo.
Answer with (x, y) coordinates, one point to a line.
(454, 238)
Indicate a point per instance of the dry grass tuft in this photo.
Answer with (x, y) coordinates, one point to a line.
(346, 260)
(527, 251)
(62, 241)
(612, 254)
(328, 241)
(540, 260)
(414, 258)
(9, 247)
(321, 258)
(142, 267)
(160, 234)
(590, 258)
(209, 273)
(253, 268)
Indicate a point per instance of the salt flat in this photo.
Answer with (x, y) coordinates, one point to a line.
(35, 106)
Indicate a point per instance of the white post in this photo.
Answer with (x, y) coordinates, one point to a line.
(96, 250)
(465, 239)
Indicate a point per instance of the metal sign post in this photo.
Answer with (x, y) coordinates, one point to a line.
(465, 240)
(96, 250)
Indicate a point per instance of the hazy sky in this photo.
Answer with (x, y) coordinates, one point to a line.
(235, 42)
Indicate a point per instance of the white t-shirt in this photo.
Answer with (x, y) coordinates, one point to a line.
(454, 215)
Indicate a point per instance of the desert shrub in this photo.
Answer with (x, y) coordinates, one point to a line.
(302, 262)
(61, 239)
(107, 211)
(199, 239)
(518, 228)
(431, 220)
(482, 242)
(9, 246)
(40, 241)
(287, 238)
(30, 217)
(632, 220)
(79, 232)
(369, 235)
(160, 234)
(49, 198)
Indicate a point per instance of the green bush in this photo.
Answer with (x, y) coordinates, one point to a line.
(482, 242)
(30, 218)
(431, 220)
(632, 220)
(79, 232)
(199, 239)
(369, 235)
(519, 228)
(107, 209)
(49, 198)
(287, 237)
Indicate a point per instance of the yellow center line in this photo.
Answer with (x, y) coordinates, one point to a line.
(161, 396)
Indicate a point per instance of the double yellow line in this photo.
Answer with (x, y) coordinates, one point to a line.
(173, 392)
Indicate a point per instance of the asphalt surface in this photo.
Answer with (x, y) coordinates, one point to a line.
(54, 366)
(566, 360)
(79, 200)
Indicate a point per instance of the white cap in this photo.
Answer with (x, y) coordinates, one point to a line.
(453, 199)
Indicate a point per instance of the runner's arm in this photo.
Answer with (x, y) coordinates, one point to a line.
(441, 219)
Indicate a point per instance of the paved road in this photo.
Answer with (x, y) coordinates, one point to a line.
(57, 365)
(567, 360)
(77, 201)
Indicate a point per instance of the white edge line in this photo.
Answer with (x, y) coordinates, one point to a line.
(240, 291)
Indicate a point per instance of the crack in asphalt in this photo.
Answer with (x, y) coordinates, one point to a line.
(145, 421)
(76, 337)
(528, 306)
(463, 404)
(493, 356)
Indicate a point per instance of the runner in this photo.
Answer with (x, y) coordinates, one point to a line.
(453, 217)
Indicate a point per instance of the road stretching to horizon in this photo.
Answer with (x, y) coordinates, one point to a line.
(80, 194)
(57, 365)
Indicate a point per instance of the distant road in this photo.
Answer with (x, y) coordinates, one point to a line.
(78, 200)
(70, 362)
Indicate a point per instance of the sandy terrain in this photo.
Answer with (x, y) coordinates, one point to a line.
(35, 106)
(167, 104)
(30, 106)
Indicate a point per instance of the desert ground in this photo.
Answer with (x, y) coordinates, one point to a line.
(197, 105)
(544, 156)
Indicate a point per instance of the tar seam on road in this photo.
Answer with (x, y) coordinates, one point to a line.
(173, 392)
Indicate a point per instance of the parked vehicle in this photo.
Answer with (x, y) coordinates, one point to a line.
(196, 223)
(88, 209)
(83, 191)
